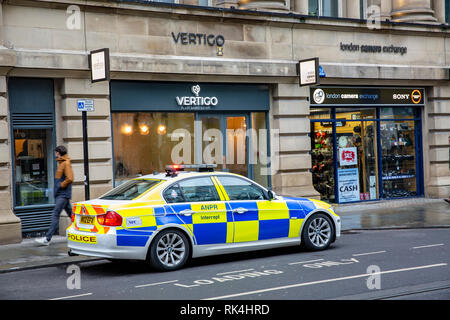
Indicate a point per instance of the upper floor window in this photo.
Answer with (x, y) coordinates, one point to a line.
(204, 3)
(447, 11)
(324, 8)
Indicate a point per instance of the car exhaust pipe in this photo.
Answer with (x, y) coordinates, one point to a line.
(70, 253)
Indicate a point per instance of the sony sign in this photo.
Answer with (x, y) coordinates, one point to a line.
(196, 102)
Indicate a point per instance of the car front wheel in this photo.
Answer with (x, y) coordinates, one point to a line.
(318, 232)
(169, 250)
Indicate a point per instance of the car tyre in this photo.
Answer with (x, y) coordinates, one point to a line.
(318, 232)
(169, 250)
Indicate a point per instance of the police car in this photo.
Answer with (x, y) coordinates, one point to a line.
(169, 218)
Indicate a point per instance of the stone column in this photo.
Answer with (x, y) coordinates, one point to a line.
(99, 134)
(226, 3)
(418, 11)
(437, 133)
(271, 5)
(10, 226)
(386, 8)
(291, 161)
(439, 9)
(190, 2)
(301, 6)
(352, 8)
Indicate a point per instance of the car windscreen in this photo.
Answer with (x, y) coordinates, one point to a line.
(130, 189)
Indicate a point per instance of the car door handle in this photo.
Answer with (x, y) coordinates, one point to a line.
(240, 210)
(187, 212)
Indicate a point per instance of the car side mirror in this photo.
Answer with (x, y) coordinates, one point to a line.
(270, 195)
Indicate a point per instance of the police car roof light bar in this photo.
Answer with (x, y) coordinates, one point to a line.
(172, 170)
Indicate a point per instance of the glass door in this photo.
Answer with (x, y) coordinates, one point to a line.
(225, 142)
(357, 165)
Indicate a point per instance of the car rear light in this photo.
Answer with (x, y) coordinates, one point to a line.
(110, 219)
(72, 217)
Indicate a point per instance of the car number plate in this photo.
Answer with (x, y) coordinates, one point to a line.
(87, 220)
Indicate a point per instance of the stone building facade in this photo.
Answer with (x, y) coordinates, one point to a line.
(167, 43)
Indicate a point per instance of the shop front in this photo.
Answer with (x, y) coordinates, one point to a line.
(32, 135)
(159, 123)
(366, 143)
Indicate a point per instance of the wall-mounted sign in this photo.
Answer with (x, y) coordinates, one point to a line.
(348, 185)
(322, 73)
(331, 96)
(308, 72)
(367, 48)
(99, 65)
(85, 105)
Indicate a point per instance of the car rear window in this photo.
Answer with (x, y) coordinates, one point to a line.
(130, 189)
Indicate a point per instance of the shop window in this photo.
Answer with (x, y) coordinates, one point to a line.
(447, 11)
(357, 156)
(33, 166)
(322, 159)
(355, 113)
(398, 159)
(166, 1)
(260, 153)
(320, 113)
(397, 113)
(145, 142)
(324, 8)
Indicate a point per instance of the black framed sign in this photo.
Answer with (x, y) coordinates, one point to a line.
(332, 96)
(308, 72)
(99, 65)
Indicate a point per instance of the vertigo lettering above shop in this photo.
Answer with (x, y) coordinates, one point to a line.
(365, 48)
(198, 39)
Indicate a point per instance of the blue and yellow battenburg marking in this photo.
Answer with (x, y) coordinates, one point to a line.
(265, 220)
(213, 223)
(210, 223)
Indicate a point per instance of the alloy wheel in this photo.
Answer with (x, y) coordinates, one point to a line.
(319, 232)
(171, 249)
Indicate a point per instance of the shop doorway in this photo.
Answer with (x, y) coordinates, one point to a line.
(357, 166)
(224, 142)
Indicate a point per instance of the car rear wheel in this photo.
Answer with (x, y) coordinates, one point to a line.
(318, 232)
(169, 250)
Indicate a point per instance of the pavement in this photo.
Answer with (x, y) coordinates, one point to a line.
(392, 214)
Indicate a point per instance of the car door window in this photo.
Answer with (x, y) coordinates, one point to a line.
(199, 189)
(240, 189)
(173, 194)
